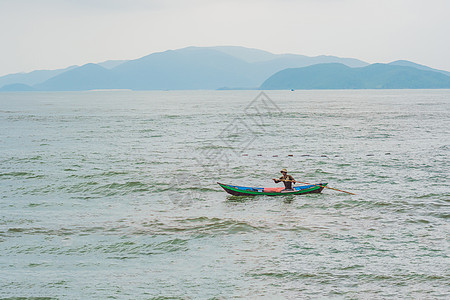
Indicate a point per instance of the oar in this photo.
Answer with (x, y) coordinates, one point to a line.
(328, 187)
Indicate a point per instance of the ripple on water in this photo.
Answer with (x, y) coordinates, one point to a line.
(84, 183)
(201, 226)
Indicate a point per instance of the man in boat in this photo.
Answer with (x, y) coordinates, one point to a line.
(286, 179)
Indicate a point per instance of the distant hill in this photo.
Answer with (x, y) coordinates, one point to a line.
(87, 77)
(224, 67)
(268, 68)
(406, 63)
(250, 55)
(32, 78)
(339, 76)
(187, 68)
(265, 64)
(283, 61)
(17, 87)
(39, 76)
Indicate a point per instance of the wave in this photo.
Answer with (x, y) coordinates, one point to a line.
(369, 277)
(198, 226)
(202, 226)
(27, 175)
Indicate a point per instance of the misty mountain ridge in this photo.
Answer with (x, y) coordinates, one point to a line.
(339, 76)
(39, 76)
(406, 63)
(186, 68)
(183, 69)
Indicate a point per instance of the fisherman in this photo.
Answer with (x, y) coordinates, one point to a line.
(286, 179)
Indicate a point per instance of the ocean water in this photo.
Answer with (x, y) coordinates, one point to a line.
(113, 195)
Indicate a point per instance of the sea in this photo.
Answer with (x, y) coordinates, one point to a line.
(114, 195)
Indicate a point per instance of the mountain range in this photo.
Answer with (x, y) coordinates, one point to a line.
(339, 76)
(228, 67)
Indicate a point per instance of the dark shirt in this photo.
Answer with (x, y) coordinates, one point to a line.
(287, 181)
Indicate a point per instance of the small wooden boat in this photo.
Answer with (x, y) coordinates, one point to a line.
(278, 191)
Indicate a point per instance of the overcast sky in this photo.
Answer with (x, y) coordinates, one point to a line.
(50, 34)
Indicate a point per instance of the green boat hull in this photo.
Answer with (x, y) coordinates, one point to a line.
(254, 191)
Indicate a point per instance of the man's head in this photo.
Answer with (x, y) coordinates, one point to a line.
(284, 171)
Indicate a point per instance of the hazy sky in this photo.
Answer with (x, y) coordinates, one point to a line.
(49, 34)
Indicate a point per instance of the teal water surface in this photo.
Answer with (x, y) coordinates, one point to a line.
(113, 195)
